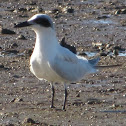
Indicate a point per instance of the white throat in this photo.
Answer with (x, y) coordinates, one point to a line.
(46, 41)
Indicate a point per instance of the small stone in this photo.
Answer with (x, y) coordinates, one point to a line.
(78, 95)
(123, 11)
(116, 52)
(29, 120)
(16, 76)
(78, 103)
(103, 54)
(28, 52)
(12, 51)
(1, 66)
(70, 10)
(124, 95)
(120, 11)
(115, 106)
(30, 3)
(14, 45)
(22, 9)
(111, 90)
(117, 12)
(55, 11)
(16, 100)
(102, 17)
(93, 101)
(21, 37)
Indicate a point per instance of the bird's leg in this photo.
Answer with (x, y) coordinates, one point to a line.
(65, 96)
(53, 94)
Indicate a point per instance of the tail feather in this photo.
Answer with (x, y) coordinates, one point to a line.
(93, 62)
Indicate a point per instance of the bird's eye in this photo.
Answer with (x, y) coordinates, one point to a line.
(43, 22)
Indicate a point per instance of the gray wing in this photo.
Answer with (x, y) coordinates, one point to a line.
(71, 67)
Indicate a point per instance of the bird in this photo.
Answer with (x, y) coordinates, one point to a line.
(52, 62)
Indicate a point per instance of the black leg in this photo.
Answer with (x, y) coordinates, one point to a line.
(65, 97)
(53, 94)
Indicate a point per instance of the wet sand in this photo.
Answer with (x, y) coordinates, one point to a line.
(99, 99)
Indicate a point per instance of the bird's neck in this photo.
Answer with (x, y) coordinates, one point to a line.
(46, 41)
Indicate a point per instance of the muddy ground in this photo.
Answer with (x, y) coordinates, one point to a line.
(99, 99)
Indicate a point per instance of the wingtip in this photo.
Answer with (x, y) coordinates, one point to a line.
(94, 61)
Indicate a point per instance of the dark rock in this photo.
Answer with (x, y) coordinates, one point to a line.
(14, 45)
(78, 103)
(120, 11)
(29, 120)
(111, 90)
(103, 54)
(116, 52)
(1, 66)
(23, 16)
(119, 48)
(16, 76)
(70, 47)
(22, 9)
(70, 10)
(30, 3)
(11, 10)
(12, 51)
(55, 11)
(78, 95)
(102, 17)
(93, 101)
(6, 31)
(123, 11)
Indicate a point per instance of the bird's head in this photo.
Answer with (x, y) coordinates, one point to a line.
(37, 22)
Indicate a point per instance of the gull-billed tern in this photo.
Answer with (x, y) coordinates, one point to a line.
(52, 62)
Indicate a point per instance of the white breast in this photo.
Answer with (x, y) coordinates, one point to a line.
(42, 70)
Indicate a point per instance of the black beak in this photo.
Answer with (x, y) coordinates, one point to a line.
(22, 24)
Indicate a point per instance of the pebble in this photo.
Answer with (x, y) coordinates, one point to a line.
(78, 103)
(16, 100)
(28, 52)
(111, 90)
(70, 10)
(6, 31)
(22, 9)
(78, 94)
(102, 17)
(29, 120)
(120, 11)
(103, 54)
(93, 101)
(21, 37)
(14, 45)
(11, 51)
(1, 66)
(55, 11)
